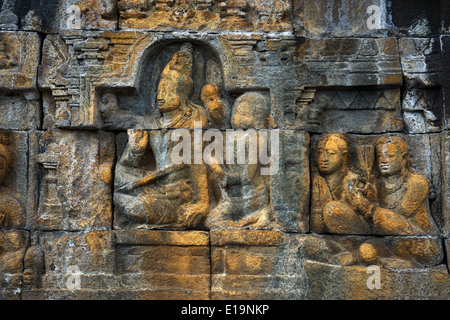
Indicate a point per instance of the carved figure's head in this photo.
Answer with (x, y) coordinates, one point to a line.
(209, 93)
(251, 111)
(392, 155)
(332, 153)
(176, 83)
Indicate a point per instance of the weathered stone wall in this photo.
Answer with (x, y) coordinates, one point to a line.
(92, 91)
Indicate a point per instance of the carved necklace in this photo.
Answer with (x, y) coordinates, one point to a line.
(338, 183)
(183, 114)
(397, 186)
(387, 192)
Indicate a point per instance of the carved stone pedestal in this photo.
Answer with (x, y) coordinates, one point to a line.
(163, 264)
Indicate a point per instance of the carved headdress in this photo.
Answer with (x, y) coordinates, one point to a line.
(182, 61)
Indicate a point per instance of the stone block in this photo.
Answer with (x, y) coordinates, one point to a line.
(290, 185)
(257, 264)
(423, 110)
(164, 264)
(20, 110)
(445, 47)
(445, 184)
(328, 282)
(77, 265)
(70, 198)
(19, 61)
(356, 111)
(229, 15)
(421, 61)
(348, 18)
(346, 62)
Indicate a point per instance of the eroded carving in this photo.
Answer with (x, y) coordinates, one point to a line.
(218, 109)
(75, 179)
(8, 51)
(393, 205)
(173, 92)
(11, 210)
(34, 267)
(150, 188)
(244, 192)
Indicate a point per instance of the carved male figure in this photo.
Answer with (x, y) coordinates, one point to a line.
(331, 211)
(173, 92)
(402, 208)
(150, 189)
(402, 193)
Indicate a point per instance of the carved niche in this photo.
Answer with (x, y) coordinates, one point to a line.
(185, 90)
(368, 188)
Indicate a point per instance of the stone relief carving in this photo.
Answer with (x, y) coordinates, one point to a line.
(381, 196)
(34, 267)
(331, 211)
(173, 93)
(244, 192)
(150, 189)
(68, 197)
(8, 57)
(86, 168)
(11, 211)
(223, 14)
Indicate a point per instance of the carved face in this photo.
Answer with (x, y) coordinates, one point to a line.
(330, 158)
(168, 98)
(390, 159)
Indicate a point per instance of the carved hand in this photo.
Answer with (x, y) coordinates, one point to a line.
(193, 214)
(137, 140)
(355, 198)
